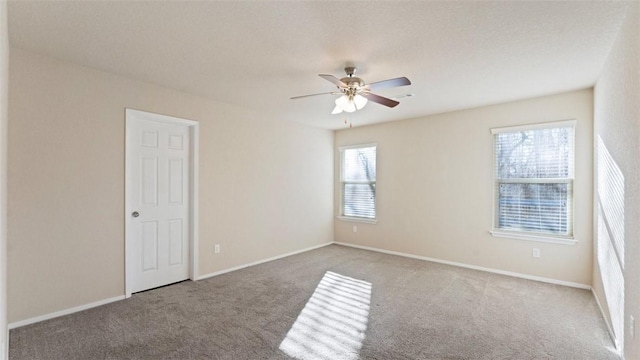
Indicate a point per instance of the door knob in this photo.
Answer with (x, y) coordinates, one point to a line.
(135, 214)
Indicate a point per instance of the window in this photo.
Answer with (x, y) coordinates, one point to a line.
(358, 182)
(534, 181)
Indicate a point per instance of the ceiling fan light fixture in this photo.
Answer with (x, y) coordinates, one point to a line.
(344, 104)
(350, 103)
(360, 101)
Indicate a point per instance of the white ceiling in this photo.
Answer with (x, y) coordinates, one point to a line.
(258, 54)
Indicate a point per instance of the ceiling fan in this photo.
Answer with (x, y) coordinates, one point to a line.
(355, 93)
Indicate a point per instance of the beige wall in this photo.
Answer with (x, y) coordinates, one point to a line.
(617, 126)
(265, 185)
(4, 88)
(435, 188)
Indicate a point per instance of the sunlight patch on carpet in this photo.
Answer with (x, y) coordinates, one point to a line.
(333, 323)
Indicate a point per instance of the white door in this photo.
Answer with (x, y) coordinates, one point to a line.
(158, 168)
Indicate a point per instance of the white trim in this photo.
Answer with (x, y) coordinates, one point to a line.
(533, 237)
(535, 180)
(195, 196)
(69, 311)
(261, 261)
(343, 182)
(557, 239)
(358, 219)
(606, 322)
(149, 116)
(194, 126)
(357, 146)
(537, 126)
(473, 267)
(128, 276)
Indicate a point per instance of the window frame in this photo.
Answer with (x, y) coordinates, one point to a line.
(341, 215)
(532, 235)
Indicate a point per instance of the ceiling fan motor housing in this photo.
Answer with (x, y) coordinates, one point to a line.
(353, 81)
(350, 80)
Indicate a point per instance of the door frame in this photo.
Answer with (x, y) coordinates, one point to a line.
(132, 115)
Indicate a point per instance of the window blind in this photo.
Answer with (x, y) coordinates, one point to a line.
(534, 180)
(358, 173)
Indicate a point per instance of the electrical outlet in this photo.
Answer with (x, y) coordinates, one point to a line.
(536, 253)
(355, 228)
(632, 326)
(217, 248)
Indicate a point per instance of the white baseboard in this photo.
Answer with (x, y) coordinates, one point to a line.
(474, 267)
(202, 277)
(604, 316)
(36, 319)
(56, 314)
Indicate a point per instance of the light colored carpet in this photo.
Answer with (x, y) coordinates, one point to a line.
(410, 309)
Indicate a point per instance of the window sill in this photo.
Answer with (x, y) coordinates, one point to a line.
(534, 237)
(357, 219)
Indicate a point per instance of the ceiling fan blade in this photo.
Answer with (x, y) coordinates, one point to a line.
(380, 99)
(304, 96)
(384, 84)
(333, 80)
